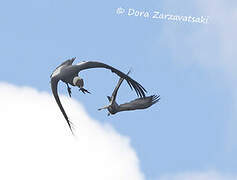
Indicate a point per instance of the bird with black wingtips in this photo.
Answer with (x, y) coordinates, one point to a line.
(139, 103)
(68, 73)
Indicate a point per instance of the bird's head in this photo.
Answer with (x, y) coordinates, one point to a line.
(77, 81)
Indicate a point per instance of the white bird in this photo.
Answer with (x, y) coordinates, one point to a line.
(139, 103)
(68, 73)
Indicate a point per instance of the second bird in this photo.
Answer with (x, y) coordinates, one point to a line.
(68, 73)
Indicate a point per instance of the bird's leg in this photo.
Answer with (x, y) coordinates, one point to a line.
(84, 90)
(69, 90)
(108, 114)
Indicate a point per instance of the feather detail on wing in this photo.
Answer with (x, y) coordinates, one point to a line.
(139, 103)
(114, 94)
(140, 90)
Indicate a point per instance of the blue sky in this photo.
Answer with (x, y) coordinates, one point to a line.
(188, 129)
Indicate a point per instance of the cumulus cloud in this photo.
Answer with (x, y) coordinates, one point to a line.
(211, 175)
(37, 144)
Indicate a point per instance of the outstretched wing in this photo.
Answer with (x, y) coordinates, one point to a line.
(54, 87)
(140, 90)
(114, 94)
(140, 103)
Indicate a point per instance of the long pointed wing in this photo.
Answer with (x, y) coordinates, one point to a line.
(140, 90)
(114, 94)
(54, 87)
(140, 103)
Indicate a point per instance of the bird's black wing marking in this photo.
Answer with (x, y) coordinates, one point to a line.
(140, 90)
(54, 87)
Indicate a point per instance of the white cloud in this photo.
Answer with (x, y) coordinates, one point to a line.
(210, 175)
(37, 144)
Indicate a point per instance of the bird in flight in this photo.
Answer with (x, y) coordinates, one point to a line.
(68, 73)
(139, 103)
